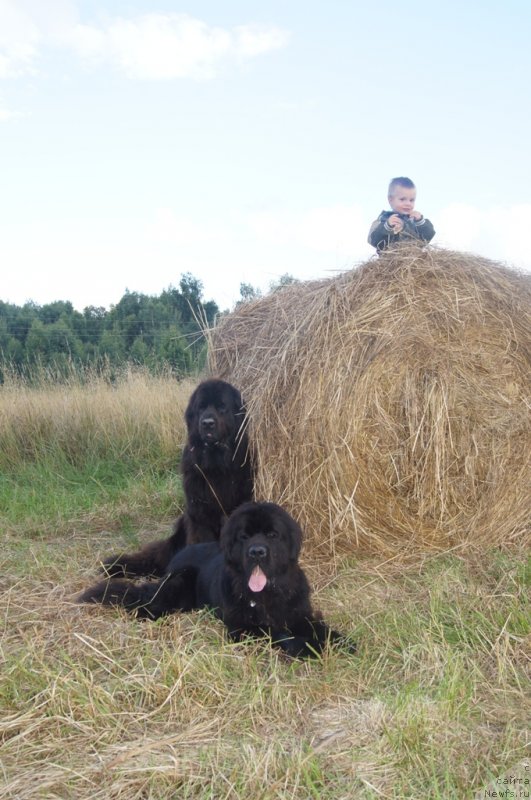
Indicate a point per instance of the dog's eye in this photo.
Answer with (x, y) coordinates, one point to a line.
(243, 535)
(272, 534)
(222, 409)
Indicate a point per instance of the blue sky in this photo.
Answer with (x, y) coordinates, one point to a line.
(242, 140)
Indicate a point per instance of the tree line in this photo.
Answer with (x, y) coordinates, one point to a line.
(154, 331)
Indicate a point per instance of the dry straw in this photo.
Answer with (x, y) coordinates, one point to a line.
(389, 406)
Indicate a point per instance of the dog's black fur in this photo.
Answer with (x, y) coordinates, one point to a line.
(217, 477)
(251, 579)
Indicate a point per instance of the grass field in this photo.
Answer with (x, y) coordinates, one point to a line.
(95, 704)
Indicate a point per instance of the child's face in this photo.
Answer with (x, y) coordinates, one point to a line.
(403, 200)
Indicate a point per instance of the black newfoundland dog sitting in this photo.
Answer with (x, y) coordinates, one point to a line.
(217, 477)
(251, 579)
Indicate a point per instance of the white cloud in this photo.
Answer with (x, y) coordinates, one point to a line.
(6, 114)
(165, 46)
(498, 232)
(150, 46)
(339, 230)
(253, 40)
(169, 228)
(458, 226)
(19, 40)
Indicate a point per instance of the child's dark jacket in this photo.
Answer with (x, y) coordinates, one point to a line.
(381, 234)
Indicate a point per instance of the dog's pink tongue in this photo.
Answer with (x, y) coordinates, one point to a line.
(257, 581)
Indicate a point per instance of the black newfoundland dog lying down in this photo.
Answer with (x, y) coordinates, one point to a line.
(251, 579)
(217, 478)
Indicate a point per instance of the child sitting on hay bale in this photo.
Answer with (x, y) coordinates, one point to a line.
(403, 222)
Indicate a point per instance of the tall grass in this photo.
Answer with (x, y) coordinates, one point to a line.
(130, 416)
(91, 441)
(95, 704)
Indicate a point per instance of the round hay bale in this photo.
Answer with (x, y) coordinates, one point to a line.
(389, 406)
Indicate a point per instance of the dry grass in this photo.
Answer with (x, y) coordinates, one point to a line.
(95, 705)
(136, 415)
(390, 406)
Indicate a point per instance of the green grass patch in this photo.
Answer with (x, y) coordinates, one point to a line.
(39, 497)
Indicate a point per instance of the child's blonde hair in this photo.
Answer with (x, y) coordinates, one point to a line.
(406, 183)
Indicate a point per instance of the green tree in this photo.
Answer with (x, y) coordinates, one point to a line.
(285, 280)
(37, 342)
(173, 350)
(145, 329)
(248, 292)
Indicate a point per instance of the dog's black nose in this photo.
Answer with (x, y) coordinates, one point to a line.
(257, 551)
(208, 423)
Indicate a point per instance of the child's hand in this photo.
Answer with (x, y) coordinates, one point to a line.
(416, 215)
(395, 223)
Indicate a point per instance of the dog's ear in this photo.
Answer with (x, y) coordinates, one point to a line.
(295, 539)
(238, 406)
(228, 536)
(190, 414)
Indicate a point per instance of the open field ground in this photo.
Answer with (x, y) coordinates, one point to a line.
(95, 704)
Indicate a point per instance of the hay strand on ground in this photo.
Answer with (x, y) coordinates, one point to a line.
(389, 406)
